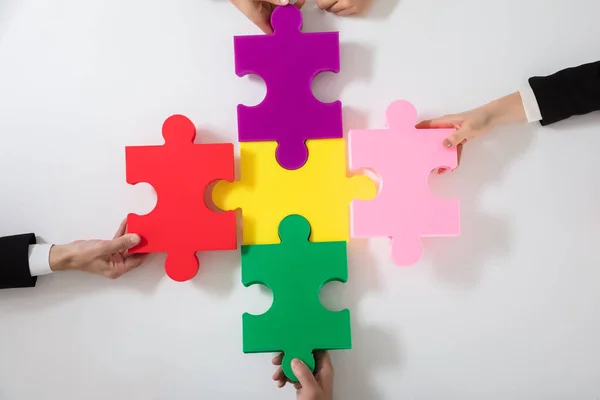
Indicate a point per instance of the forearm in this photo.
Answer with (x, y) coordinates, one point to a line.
(61, 258)
(506, 110)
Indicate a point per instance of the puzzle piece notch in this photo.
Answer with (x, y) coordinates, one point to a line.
(288, 60)
(321, 191)
(295, 271)
(404, 209)
(180, 223)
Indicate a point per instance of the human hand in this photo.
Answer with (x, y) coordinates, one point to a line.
(309, 387)
(102, 257)
(259, 11)
(479, 121)
(344, 8)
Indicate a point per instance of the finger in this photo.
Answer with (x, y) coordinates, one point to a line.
(456, 137)
(257, 13)
(305, 376)
(324, 366)
(322, 360)
(297, 385)
(120, 268)
(263, 21)
(122, 229)
(318, 355)
(345, 12)
(282, 381)
(337, 7)
(277, 359)
(324, 370)
(278, 374)
(299, 3)
(325, 4)
(134, 262)
(280, 377)
(274, 2)
(445, 122)
(120, 244)
(459, 148)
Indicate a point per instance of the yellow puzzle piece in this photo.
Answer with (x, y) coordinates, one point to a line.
(320, 191)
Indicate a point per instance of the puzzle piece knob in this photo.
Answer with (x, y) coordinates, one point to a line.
(286, 363)
(286, 19)
(181, 267)
(401, 114)
(292, 154)
(294, 228)
(178, 129)
(406, 250)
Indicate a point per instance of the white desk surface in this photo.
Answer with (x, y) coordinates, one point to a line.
(508, 310)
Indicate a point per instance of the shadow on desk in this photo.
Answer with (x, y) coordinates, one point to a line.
(373, 347)
(65, 286)
(216, 276)
(460, 260)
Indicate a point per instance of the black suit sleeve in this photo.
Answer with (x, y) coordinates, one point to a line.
(572, 91)
(14, 261)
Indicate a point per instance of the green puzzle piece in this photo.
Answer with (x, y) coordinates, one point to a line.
(295, 270)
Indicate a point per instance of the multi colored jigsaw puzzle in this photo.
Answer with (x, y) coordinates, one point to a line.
(294, 186)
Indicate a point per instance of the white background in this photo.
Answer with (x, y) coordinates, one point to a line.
(508, 310)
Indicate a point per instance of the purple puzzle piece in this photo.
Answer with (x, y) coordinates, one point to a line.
(288, 61)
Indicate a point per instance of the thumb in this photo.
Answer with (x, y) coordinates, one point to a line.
(122, 243)
(304, 375)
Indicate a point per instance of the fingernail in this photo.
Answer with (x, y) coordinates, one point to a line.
(447, 143)
(284, 2)
(135, 239)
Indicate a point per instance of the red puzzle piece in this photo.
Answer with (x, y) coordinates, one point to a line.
(180, 172)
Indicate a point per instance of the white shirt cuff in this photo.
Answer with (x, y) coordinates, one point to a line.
(39, 259)
(530, 104)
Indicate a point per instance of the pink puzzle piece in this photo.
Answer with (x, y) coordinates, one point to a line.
(288, 60)
(403, 157)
